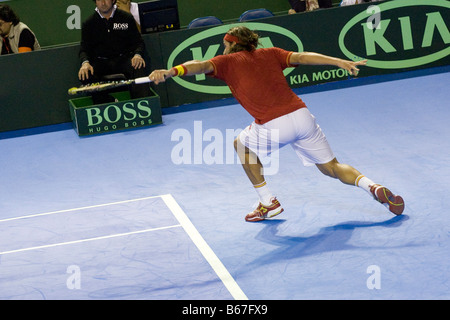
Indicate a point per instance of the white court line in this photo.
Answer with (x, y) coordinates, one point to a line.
(76, 209)
(204, 248)
(87, 240)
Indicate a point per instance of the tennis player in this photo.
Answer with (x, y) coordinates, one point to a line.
(256, 79)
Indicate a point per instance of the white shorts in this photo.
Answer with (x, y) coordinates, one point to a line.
(298, 128)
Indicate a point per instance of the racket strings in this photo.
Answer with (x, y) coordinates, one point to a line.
(100, 86)
(107, 83)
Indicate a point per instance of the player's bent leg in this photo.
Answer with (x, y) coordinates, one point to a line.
(344, 172)
(250, 162)
(349, 175)
(269, 206)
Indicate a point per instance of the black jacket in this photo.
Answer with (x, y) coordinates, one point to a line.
(101, 38)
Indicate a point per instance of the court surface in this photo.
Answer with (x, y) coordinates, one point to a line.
(158, 213)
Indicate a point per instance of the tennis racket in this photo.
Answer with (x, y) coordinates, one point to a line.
(106, 85)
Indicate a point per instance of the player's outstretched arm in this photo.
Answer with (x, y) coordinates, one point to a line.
(187, 69)
(312, 58)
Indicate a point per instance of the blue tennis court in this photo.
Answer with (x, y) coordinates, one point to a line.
(158, 213)
(132, 239)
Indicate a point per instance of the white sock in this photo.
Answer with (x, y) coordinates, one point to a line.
(364, 183)
(265, 196)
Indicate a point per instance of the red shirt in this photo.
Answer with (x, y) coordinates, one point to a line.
(257, 82)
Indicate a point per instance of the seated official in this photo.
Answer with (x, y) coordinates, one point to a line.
(111, 44)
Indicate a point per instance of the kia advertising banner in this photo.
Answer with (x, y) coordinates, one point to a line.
(394, 36)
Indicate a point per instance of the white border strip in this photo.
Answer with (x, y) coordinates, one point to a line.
(204, 248)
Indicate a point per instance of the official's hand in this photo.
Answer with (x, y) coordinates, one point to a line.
(137, 62)
(312, 5)
(85, 69)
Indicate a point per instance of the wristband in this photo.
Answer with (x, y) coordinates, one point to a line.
(179, 70)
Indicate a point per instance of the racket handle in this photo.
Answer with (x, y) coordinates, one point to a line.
(142, 80)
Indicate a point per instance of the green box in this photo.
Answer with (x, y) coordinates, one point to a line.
(125, 113)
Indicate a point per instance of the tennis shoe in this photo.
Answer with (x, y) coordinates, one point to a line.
(263, 212)
(394, 203)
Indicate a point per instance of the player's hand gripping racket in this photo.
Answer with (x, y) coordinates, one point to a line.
(106, 85)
